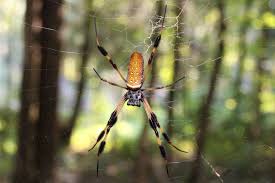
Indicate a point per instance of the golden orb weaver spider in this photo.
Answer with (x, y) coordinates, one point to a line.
(134, 95)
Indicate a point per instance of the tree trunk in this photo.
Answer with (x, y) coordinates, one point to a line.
(28, 115)
(204, 112)
(255, 127)
(143, 164)
(46, 129)
(240, 68)
(86, 50)
(178, 40)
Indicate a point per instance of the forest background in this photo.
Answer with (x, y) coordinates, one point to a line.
(53, 106)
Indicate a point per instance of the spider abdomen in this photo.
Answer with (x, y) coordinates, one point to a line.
(135, 71)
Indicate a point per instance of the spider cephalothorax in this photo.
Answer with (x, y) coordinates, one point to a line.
(134, 95)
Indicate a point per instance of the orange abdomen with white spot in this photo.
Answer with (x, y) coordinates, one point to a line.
(135, 71)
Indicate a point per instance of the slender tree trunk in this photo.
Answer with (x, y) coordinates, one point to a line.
(86, 50)
(204, 112)
(143, 164)
(240, 68)
(28, 115)
(255, 127)
(178, 40)
(46, 129)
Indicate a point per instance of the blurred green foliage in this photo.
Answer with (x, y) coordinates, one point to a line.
(126, 26)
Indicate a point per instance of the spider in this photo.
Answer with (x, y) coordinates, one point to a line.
(134, 95)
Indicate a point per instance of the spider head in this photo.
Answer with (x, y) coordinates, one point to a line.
(134, 97)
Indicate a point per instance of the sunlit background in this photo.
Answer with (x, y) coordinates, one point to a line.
(239, 141)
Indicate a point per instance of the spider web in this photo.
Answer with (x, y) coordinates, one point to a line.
(125, 28)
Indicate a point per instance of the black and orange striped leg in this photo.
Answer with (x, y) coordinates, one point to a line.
(154, 127)
(109, 82)
(107, 55)
(164, 134)
(162, 87)
(154, 119)
(154, 50)
(104, 133)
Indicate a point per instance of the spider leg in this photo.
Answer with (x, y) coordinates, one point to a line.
(151, 115)
(104, 133)
(109, 82)
(154, 127)
(156, 44)
(106, 54)
(165, 86)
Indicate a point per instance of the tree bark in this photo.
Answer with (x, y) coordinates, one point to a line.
(66, 132)
(28, 115)
(204, 112)
(46, 129)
